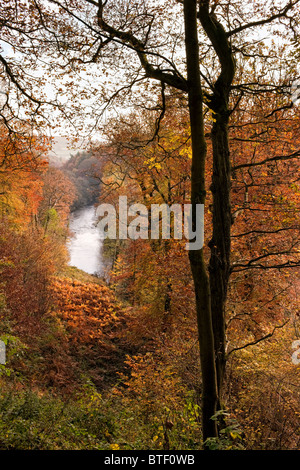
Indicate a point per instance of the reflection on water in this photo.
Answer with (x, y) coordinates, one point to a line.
(85, 243)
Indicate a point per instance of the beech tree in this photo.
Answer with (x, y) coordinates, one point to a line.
(187, 45)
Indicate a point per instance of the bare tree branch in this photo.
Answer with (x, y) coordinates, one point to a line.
(281, 14)
(253, 343)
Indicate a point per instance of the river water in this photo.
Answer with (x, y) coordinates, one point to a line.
(85, 243)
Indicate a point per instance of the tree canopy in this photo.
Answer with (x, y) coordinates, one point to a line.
(191, 101)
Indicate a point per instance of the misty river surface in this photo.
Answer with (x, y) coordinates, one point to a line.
(85, 242)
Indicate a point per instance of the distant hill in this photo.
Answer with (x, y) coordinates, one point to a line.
(84, 170)
(81, 167)
(61, 151)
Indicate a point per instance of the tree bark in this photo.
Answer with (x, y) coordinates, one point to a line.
(198, 267)
(219, 265)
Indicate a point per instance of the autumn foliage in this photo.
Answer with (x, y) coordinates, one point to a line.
(114, 363)
(88, 310)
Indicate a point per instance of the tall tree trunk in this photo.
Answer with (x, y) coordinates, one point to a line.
(198, 268)
(219, 266)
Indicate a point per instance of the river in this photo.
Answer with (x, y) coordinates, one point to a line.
(85, 243)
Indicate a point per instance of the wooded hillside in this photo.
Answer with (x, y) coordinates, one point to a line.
(187, 104)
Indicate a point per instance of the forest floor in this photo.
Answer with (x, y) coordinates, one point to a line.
(90, 374)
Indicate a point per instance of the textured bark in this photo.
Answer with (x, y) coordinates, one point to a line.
(198, 268)
(219, 266)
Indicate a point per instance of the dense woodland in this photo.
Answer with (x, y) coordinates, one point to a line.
(83, 169)
(122, 362)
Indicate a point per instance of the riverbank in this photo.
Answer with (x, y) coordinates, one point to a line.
(72, 272)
